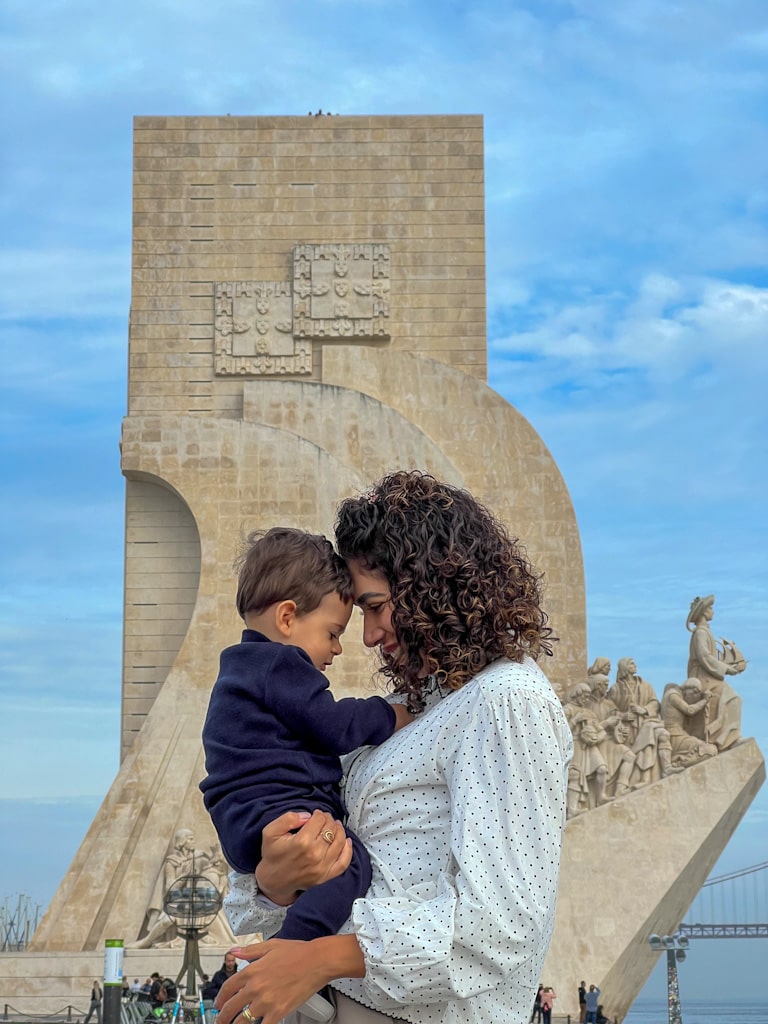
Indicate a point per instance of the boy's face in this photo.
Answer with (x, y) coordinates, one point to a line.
(319, 631)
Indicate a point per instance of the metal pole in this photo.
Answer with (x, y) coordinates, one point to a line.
(113, 980)
(673, 989)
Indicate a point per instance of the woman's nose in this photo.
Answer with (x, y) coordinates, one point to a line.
(372, 633)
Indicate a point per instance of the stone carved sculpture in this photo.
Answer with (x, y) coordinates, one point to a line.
(588, 771)
(602, 762)
(710, 663)
(618, 756)
(625, 738)
(684, 711)
(182, 859)
(647, 736)
(266, 328)
(599, 667)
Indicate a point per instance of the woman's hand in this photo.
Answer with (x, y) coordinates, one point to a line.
(277, 981)
(294, 860)
(283, 974)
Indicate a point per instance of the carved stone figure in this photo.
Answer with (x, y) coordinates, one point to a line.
(599, 667)
(648, 738)
(588, 771)
(710, 664)
(618, 756)
(684, 710)
(181, 859)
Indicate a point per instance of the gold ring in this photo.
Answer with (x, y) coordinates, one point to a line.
(246, 1012)
(328, 836)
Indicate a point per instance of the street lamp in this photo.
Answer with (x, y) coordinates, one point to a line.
(675, 946)
(192, 903)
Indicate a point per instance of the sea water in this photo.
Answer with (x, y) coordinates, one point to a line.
(700, 1011)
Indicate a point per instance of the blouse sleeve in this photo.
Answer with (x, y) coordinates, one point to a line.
(247, 910)
(492, 913)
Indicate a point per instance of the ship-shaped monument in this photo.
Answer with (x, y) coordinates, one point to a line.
(308, 312)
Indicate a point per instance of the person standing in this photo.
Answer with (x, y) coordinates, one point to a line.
(582, 1001)
(548, 997)
(456, 923)
(591, 997)
(95, 1006)
(536, 1013)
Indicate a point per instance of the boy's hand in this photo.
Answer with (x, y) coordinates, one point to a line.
(402, 716)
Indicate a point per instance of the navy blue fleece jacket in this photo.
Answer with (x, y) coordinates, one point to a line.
(272, 737)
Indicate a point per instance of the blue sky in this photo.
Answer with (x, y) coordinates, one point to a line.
(627, 253)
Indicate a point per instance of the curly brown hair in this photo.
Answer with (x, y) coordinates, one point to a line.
(463, 591)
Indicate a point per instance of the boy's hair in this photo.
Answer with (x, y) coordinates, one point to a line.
(284, 564)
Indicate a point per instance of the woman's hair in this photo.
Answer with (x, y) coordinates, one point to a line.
(463, 591)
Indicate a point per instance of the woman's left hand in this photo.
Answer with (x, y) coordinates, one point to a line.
(279, 978)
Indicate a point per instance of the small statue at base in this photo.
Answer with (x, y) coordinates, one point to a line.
(684, 710)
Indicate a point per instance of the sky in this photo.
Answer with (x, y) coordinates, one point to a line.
(627, 274)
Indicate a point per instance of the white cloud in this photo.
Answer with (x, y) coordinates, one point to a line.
(669, 329)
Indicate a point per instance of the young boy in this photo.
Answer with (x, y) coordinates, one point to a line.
(274, 732)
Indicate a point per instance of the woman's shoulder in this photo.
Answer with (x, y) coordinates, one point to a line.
(505, 678)
(505, 690)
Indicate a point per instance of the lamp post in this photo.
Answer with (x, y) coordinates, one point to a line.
(192, 903)
(675, 946)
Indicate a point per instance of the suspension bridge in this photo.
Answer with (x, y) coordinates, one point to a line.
(732, 906)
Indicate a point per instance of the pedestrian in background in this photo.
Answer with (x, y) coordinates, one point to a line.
(95, 1006)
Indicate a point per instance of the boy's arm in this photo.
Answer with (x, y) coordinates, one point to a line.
(298, 694)
(403, 716)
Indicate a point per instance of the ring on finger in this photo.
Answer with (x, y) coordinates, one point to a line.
(246, 1012)
(328, 835)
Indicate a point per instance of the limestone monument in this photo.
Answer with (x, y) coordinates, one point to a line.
(308, 312)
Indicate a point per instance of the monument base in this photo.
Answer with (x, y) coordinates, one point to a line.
(41, 983)
(632, 868)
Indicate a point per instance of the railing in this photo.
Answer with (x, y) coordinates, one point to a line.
(66, 1013)
(191, 1012)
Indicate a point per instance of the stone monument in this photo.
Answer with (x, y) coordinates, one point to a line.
(308, 312)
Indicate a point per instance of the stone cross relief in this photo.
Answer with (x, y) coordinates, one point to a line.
(266, 328)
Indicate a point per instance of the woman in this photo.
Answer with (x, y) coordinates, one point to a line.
(462, 811)
(95, 1006)
(548, 998)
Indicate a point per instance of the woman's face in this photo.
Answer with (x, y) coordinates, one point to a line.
(372, 597)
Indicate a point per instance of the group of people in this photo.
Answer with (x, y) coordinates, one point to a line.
(543, 1002)
(157, 991)
(403, 849)
(590, 1010)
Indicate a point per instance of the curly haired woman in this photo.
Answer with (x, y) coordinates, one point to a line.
(462, 812)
